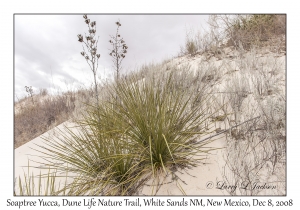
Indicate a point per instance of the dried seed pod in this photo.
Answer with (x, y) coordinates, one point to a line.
(98, 55)
(87, 21)
(94, 50)
(82, 53)
(85, 16)
(93, 24)
(80, 38)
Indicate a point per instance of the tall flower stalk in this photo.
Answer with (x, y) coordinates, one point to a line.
(119, 49)
(90, 50)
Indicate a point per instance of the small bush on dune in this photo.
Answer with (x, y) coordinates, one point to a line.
(43, 92)
(191, 48)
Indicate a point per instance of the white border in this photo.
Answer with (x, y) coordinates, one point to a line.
(154, 6)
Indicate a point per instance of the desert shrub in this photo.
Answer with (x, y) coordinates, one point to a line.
(249, 30)
(204, 41)
(43, 92)
(35, 119)
(191, 48)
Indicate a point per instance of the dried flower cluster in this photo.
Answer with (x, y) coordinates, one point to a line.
(90, 41)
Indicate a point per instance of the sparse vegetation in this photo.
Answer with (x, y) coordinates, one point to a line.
(250, 30)
(32, 120)
(152, 128)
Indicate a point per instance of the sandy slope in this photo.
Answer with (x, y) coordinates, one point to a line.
(30, 154)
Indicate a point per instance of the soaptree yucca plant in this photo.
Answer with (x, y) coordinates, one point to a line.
(149, 130)
(90, 50)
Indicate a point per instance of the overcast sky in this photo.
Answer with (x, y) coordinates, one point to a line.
(47, 51)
